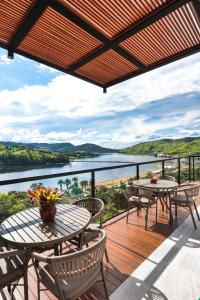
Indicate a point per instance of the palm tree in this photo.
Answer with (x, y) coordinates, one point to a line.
(60, 183)
(67, 182)
(75, 180)
(83, 184)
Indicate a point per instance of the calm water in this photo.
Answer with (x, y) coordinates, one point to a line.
(87, 163)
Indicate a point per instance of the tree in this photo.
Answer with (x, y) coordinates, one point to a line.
(60, 183)
(67, 182)
(75, 181)
(83, 184)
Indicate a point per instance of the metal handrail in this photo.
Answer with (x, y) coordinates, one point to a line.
(99, 169)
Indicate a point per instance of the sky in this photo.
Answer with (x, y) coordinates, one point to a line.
(40, 104)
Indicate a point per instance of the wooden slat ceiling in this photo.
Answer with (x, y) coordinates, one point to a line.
(104, 42)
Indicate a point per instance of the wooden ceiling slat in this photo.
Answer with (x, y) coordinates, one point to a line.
(113, 17)
(175, 31)
(106, 67)
(104, 41)
(11, 14)
(53, 31)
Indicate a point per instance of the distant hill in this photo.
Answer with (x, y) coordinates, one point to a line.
(62, 147)
(184, 146)
(18, 155)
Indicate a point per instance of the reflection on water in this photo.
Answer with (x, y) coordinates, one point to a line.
(85, 163)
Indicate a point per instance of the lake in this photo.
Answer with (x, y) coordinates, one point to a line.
(85, 163)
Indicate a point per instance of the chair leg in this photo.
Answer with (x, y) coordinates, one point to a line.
(127, 214)
(146, 217)
(195, 226)
(161, 202)
(170, 212)
(106, 254)
(38, 288)
(176, 210)
(138, 211)
(104, 282)
(156, 212)
(26, 284)
(196, 211)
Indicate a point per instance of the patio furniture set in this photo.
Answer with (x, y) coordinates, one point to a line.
(145, 194)
(67, 276)
(70, 275)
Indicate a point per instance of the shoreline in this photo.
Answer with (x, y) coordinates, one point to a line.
(110, 182)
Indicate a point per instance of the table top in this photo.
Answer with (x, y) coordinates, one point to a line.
(26, 228)
(161, 184)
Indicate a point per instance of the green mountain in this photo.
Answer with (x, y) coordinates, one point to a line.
(184, 146)
(18, 155)
(62, 147)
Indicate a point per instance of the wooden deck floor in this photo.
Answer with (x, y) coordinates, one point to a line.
(128, 246)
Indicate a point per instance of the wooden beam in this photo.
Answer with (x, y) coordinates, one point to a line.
(51, 65)
(155, 16)
(28, 22)
(96, 34)
(167, 61)
(196, 4)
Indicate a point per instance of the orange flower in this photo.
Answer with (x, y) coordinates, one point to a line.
(44, 196)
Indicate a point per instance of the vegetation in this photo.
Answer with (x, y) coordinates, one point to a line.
(62, 147)
(20, 155)
(185, 146)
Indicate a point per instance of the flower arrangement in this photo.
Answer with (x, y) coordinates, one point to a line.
(45, 197)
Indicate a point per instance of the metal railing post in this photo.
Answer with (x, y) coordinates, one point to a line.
(179, 171)
(163, 168)
(137, 172)
(189, 169)
(93, 184)
(193, 175)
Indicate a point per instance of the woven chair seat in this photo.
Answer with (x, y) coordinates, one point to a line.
(181, 199)
(89, 234)
(139, 200)
(71, 287)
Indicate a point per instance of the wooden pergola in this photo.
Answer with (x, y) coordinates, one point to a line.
(101, 41)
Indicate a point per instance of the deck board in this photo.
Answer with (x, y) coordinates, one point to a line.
(128, 245)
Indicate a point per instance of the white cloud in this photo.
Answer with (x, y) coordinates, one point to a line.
(44, 68)
(70, 98)
(4, 60)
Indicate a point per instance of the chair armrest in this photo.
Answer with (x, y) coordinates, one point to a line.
(39, 257)
(11, 253)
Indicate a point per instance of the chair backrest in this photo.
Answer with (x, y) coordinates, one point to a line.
(95, 206)
(167, 177)
(139, 192)
(76, 265)
(146, 192)
(132, 191)
(192, 191)
(13, 265)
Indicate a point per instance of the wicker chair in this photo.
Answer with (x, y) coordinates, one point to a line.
(164, 194)
(96, 208)
(140, 198)
(186, 199)
(70, 276)
(13, 267)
